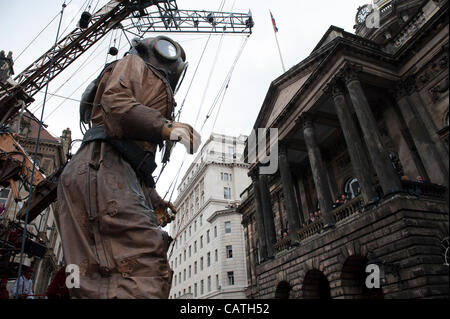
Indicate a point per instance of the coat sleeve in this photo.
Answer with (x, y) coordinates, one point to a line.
(124, 115)
(156, 200)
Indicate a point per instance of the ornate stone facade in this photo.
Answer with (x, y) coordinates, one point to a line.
(368, 119)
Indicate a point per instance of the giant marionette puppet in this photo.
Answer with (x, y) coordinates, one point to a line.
(109, 212)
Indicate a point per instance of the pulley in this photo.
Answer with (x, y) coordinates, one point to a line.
(85, 19)
(113, 51)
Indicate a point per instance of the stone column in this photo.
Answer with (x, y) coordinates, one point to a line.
(360, 162)
(259, 215)
(388, 177)
(269, 223)
(426, 147)
(319, 172)
(292, 209)
(306, 209)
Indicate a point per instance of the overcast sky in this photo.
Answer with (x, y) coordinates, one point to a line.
(301, 25)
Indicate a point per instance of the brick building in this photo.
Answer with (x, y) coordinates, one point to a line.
(364, 116)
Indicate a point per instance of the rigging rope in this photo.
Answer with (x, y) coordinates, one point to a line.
(177, 117)
(225, 85)
(24, 235)
(95, 73)
(37, 36)
(84, 64)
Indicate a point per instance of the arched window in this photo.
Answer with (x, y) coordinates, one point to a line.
(352, 188)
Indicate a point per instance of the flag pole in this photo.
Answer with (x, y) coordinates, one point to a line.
(275, 30)
(279, 51)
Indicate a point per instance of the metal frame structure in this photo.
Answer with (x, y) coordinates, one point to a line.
(135, 15)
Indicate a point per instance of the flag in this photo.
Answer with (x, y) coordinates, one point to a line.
(273, 22)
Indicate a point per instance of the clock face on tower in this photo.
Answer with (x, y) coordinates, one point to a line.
(362, 14)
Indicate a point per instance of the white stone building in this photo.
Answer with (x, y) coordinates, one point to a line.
(208, 251)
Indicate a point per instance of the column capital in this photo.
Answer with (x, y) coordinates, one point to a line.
(306, 120)
(399, 91)
(335, 87)
(350, 72)
(404, 87)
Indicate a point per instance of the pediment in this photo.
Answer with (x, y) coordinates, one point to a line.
(284, 96)
(332, 33)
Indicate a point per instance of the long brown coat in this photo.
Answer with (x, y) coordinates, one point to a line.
(106, 218)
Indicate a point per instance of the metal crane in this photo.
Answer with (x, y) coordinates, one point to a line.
(129, 15)
(141, 15)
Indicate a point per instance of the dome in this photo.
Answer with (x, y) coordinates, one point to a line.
(390, 17)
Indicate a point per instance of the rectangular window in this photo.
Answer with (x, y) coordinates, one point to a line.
(201, 242)
(230, 276)
(190, 271)
(201, 220)
(195, 225)
(179, 277)
(208, 261)
(175, 281)
(195, 290)
(180, 259)
(201, 263)
(202, 288)
(227, 227)
(195, 247)
(227, 193)
(229, 250)
(190, 251)
(216, 255)
(209, 283)
(190, 231)
(195, 267)
(207, 237)
(217, 281)
(184, 274)
(215, 231)
(184, 254)
(176, 262)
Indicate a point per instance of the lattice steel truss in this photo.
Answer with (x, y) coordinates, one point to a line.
(127, 14)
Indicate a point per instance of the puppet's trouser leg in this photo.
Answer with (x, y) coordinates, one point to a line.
(109, 229)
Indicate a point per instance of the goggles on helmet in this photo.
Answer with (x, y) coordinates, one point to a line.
(164, 54)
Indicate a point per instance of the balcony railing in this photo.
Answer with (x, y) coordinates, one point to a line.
(424, 189)
(351, 207)
(310, 229)
(356, 205)
(282, 244)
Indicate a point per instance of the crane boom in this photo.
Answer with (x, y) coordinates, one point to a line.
(126, 14)
(167, 18)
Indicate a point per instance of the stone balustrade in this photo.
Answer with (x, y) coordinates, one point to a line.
(282, 244)
(310, 230)
(351, 207)
(424, 189)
